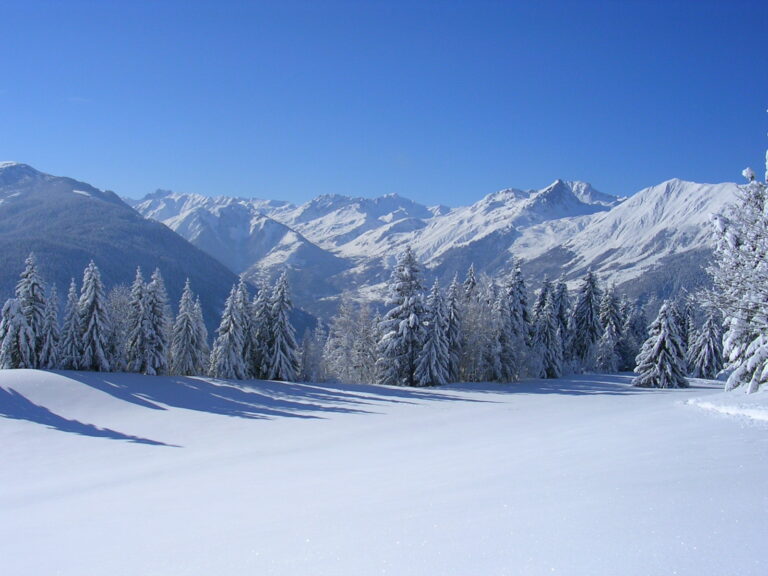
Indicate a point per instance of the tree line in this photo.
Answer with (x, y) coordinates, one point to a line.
(483, 330)
(133, 330)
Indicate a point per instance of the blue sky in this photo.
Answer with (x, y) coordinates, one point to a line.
(442, 102)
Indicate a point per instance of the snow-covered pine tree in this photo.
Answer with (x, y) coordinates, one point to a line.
(518, 326)
(470, 283)
(156, 310)
(472, 334)
(94, 322)
(608, 357)
(661, 362)
(201, 338)
(245, 311)
(30, 293)
(260, 333)
(70, 346)
(610, 310)
(283, 358)
(17, 343)
(547, 342)
(562, 304)
(740, 274)
(49, 353)
(138, 329)
(187, 352)
(453, 331)
(227, 354)
(402, 329)
(634, 332)
(119, 312)
(584, 326)
(434, 360)
(705, 355)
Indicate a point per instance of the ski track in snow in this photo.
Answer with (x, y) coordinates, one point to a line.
(122, 474)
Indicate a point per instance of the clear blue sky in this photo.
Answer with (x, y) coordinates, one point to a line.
(442, 102)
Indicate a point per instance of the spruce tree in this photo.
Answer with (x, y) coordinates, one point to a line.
(187, 351)
(138, 328)
(70, 345)
(201, 337)
(156, 311)
(227, 354)
(260, 333)
(30, 293)
(547, 344)
(585, 328)
(434, 360)
(283, 358)
(740, 274)
(49, 353)
(402, 329)
(454, 328)
(661, 362)
(705, 355)
(17, 343)
(94, 322)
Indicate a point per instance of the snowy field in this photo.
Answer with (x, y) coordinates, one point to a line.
(125, 475)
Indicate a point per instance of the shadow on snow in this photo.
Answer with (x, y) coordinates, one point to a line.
(18, 407)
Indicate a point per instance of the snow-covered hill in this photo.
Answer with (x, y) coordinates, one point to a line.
(123, 474)
(66, 223)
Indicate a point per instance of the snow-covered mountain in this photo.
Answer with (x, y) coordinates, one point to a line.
(657, 241)
(67, 223)
(335, 243)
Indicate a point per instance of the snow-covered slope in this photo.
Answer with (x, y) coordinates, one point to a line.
(124, 474)
(657, 226)
(66, 223)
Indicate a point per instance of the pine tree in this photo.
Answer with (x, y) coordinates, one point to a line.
(119, 312)
(260, 333)
(740, 274)
(610, 310)
(138, 328)
(661, 362)
(245, 311)
(201, 337)
(514, 327)
(156, 311)
(17, 343)
(453, 331)
(187, 351)
(562, 305)
(49, 353)
(608, 356)
(70, 345)
(227, 354)
(547, 343)
(30, 293)
(434, 360)
(94, 322)
(402, 329)
(283, 359)
(584, 327)
(705, 355)
(634, 332)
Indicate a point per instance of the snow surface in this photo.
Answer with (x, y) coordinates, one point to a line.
(123, 474)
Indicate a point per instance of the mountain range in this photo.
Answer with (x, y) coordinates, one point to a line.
(654, 243)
